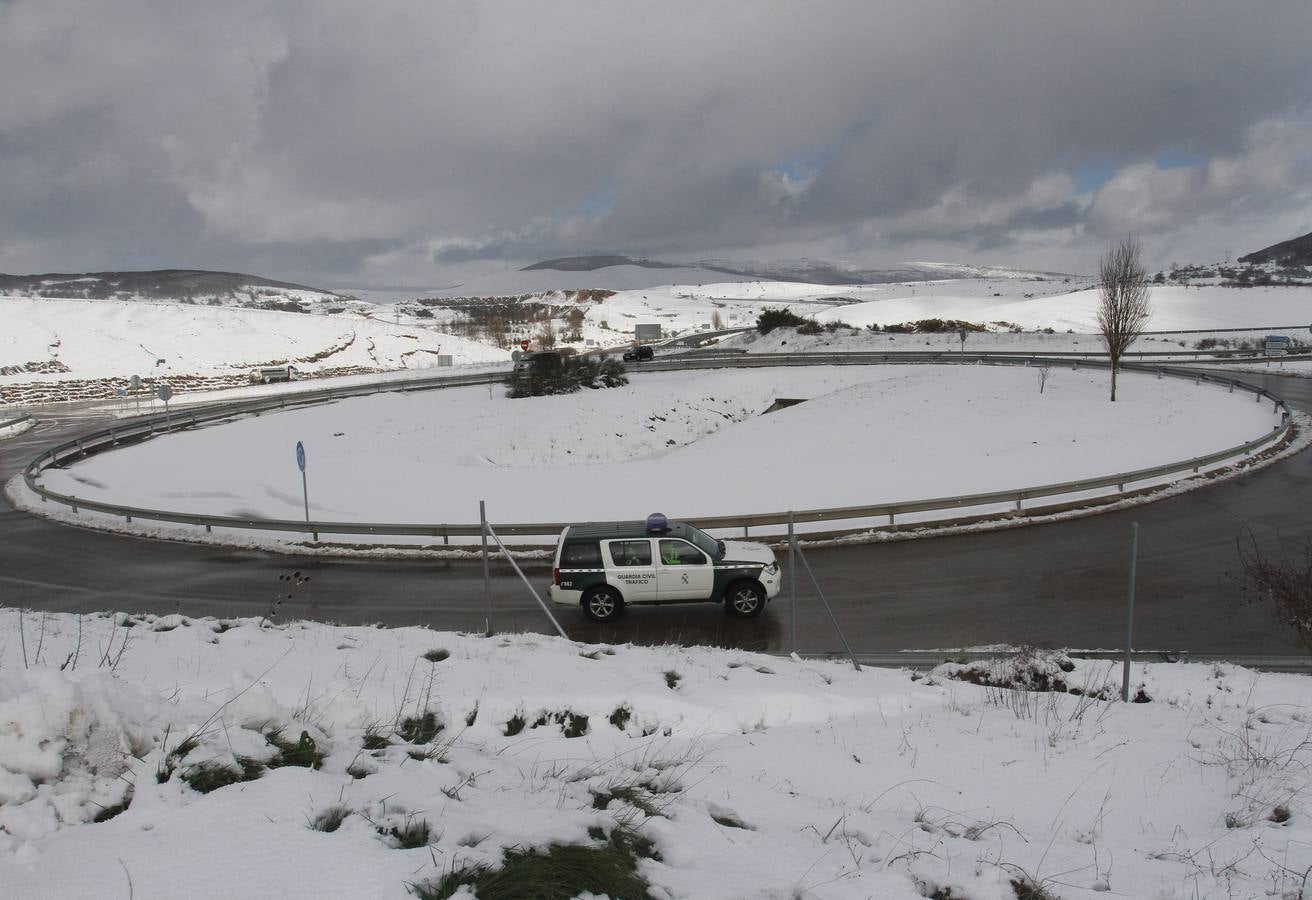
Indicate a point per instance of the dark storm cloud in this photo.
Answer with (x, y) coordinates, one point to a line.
(396, 141)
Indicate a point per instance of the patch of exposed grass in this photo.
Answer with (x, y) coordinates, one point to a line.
(729, 820)
(620, 717)
(472, 717)
(515, 724)
(419, 729)
(672, 679)
(210, 776)
(410, 835)
(108, 812)
(561, 872)
(1280, 815)
(437, 654)
(330, 819)
(375, 739)
(572, 724)
(302, 752)
(1028, 890)
(358, 771)
(636, 795)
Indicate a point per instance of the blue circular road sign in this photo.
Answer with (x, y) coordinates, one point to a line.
(300, 455)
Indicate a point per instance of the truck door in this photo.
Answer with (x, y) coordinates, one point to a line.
(683, 572)
(630, 566)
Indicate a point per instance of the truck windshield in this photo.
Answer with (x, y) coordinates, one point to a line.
(710, 545)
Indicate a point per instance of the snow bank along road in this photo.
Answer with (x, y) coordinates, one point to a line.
(1061, 583)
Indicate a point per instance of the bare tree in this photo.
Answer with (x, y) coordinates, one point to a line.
(1125, 307)
(716, 321)
(1044, 371)
(547, 336)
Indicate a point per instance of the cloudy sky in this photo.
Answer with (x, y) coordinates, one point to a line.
(421, 143)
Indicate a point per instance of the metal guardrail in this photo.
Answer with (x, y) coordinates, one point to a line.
(928, 659)
(143, 429)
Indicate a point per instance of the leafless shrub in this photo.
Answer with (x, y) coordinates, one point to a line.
(1282, 577)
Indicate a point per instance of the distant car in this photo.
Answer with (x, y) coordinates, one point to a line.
(543, 362)
(603, 567)
(637, 354)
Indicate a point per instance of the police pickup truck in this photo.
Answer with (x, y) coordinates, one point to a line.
(604, 566)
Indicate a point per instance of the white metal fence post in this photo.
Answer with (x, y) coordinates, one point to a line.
(487, 575)
(1129, 612)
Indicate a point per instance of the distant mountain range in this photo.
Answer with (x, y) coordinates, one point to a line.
(805, 271)
(1293, 252)
(178, 286)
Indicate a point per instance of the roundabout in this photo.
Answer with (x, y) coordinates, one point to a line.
(1060, 583)
(726, 448)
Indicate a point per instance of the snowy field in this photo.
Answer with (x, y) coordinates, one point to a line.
(53, 350)
(376, 760)
(84, 339)
(1031, 305)
(688, 443)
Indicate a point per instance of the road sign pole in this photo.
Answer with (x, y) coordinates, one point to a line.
(305, 489)
(1129, 612)
(487, 575)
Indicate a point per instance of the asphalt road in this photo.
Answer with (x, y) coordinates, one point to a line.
(1061, 584)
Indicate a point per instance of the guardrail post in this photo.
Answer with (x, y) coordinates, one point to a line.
(1129, 612)
(745, 534)
(1159, 373)
(1232, 387)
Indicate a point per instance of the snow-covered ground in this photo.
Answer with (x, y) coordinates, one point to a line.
(55, 340)
(688, 443)
(731, 775)
(1173, 307)
(51, 342)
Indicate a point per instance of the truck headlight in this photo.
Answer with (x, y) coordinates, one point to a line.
(772, 569)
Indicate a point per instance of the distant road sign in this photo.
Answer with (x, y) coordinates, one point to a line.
(523, 345)
(165, 393)
(135, 382)
(300, 456)
(120, 392)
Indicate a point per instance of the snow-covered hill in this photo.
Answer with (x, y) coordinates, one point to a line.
(188, 286)
(48, 345)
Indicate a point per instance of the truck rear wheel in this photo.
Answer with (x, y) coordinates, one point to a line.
(603, 604)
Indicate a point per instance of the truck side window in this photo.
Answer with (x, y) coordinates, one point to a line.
(631, 553)
(582, 555)
(681, 553)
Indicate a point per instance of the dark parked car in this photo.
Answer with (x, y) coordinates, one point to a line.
(638, 354)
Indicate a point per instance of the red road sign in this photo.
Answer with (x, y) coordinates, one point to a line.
(523, 345)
